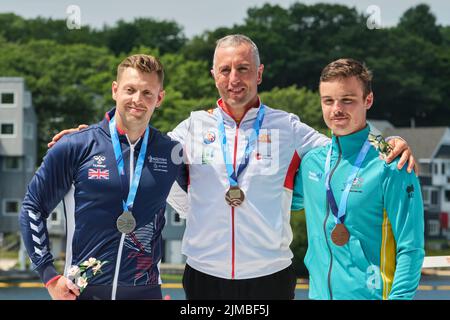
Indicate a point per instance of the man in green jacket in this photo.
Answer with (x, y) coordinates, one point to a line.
(364, 217)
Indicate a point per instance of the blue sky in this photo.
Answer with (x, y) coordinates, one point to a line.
(197, 16)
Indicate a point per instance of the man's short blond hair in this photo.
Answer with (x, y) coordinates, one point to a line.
(346, 68)
(144, 63)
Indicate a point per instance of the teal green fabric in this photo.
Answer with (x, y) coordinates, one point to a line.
(380, 193)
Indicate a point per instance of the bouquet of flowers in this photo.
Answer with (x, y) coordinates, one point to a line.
(80, 275)
(380, 144)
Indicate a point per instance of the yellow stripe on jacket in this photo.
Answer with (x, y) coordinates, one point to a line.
(387, 256)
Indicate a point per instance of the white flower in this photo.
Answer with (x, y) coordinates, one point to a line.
(73, 272)
(82, 282)
(80, 275)
(89, 263)
(96, 268)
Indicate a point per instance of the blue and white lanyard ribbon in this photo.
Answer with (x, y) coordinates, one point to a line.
(339, 213)
(128, 205)
(232, 175)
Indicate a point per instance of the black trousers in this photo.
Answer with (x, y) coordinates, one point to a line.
(277, 286)
(150, 292)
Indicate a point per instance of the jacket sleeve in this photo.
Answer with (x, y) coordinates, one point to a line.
(181, 132)
(47, 188)
(306, 138)
(404, 208)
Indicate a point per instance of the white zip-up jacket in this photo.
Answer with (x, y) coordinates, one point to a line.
(251, 240)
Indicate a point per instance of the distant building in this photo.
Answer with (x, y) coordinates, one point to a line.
(18, 143)
(431, 148)
(172, 235)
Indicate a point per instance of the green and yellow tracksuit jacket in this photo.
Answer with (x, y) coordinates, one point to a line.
(385, 251)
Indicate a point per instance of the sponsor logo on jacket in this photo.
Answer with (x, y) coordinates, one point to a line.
(158, 164)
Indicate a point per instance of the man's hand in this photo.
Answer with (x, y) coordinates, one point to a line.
(400, 148)
(59, 135)
(63, 289)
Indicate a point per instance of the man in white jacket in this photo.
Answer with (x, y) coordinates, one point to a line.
(242, 157)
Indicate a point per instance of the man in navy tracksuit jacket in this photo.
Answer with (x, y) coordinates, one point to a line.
(82, 169)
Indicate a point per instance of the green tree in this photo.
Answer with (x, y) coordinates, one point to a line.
(20, 30)
(421, 22)
(63, 80)
(302, 102)
(166, 36)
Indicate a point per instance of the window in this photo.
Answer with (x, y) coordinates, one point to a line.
(54, 217)
(28, 131)
(434, 197)
(435, 168)
(7, 98)
(443, 167)
(447, 195)
(29, 164)
(433, 227)
(7, 129)
(12, 164)
(11, 207)
(176, 219)
(425, 169)
(426, 196)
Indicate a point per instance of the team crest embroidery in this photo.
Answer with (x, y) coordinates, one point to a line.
(357, 185)
(410, 191)
(99, 159)
(209, 137)
(98, 174)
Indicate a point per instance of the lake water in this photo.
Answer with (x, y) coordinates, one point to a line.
(431, 288)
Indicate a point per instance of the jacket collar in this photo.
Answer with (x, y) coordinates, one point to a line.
(350, 144)
(249, 114)
(104, 124)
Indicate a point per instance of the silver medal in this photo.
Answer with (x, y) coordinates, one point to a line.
(126, 222)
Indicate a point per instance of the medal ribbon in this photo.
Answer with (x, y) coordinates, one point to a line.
(128, 205)
(232, 175)
(339, 213)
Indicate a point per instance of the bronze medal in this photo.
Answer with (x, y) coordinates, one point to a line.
(340, 235)
(126, 222)
(234, 196)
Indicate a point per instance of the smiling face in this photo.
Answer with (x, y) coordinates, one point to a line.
(237, 76)
(344, 106)
(137, 95)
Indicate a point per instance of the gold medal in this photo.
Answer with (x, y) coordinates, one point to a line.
(126, 222)
(234, 196)
(340, 235)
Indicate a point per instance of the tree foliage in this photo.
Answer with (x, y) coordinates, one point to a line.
(69, 72)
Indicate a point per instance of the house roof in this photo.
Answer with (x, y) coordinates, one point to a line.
(381, 125)
(423, 140)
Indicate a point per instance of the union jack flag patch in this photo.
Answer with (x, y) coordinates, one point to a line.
(98, 174)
